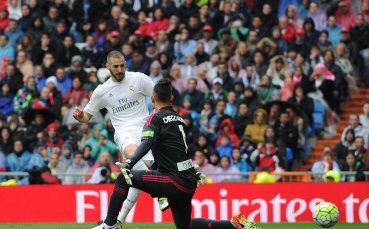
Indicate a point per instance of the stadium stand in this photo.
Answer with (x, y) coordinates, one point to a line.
(268, 84)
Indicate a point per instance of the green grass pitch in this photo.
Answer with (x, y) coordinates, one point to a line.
(171, 226)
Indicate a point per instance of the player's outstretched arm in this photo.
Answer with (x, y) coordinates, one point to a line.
(81, 116)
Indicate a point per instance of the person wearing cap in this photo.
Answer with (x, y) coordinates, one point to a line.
(151, 51)
(209, 43)
(334, 31)
(217, 92)
(113, 42)
(299, 45)
(55, 95)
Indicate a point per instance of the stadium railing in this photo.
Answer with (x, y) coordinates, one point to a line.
(245, 176)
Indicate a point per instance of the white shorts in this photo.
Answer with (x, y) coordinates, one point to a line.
(129, 138)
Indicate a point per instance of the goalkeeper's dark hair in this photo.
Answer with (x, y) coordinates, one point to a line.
(163, 90)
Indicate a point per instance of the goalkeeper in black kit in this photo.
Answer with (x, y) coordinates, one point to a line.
(175, 178)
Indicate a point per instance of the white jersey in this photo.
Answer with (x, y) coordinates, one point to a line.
(125, 101)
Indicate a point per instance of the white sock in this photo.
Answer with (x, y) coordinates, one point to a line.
(132, 196)
(128, 204)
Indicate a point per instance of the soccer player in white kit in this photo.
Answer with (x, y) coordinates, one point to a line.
(124, 96)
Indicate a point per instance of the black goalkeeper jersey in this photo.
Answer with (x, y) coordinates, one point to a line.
(166, 132)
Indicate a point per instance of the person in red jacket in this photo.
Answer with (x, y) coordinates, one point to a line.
(227, 128)
(52, 137)
(267, 155)
(4, 18)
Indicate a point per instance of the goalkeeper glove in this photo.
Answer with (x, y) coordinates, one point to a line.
(201, 178)
(125, 168)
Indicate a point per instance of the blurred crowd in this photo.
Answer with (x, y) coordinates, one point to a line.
(255, 81)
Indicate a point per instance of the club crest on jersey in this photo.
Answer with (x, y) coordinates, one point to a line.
(131, 88)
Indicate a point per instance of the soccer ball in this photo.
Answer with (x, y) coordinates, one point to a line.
(326, 214)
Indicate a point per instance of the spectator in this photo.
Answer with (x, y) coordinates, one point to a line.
(76, 94)
(187, 9)
(61, 31)
(188, 68)
(287, 134)
(55, 166)
(54, 96)
(91, 55)
(302, 101)
(227, 129)
(155, 71)
(35, 30)
(197, 97)
(267, 155)
(265, 90)
(202, 144)
(257, 129)
(76, 68)
(52, 136)
(349, 165)
(226, 172)
(319, 17)
(93, 140)
(67, 154)
(6, 100)
(46, 45)
(79, 166)
(6, 141)
(217, 92)
(6, 48)
(103, 145)
(334, 31)
(326, 164)
(360, 130)
(64, 81)
(231, 105)
(247, 146)
(87, 156)
(104, 161)
(350, 44)
(226, 42)
(360, 149)
(168, 7)
(209, 43)
(242, 119)
(14, 32)
(40, 156)
(238, 161)
(139, 63)
(18, 160)
(24, 64)
(344, 15)
(23, 98)
(162, 42)
(67, 51)
(200, 54)
(364, 118)
(14, 8)
(4, 17)
(363, 168)
(205, 167)
(183, 45)
(235, 69)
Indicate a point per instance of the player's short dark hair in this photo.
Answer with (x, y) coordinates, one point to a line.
(163, 90)
(113, 54)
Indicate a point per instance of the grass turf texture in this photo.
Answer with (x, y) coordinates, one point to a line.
(171, 226)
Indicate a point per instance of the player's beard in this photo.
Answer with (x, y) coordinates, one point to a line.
(119, 77)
